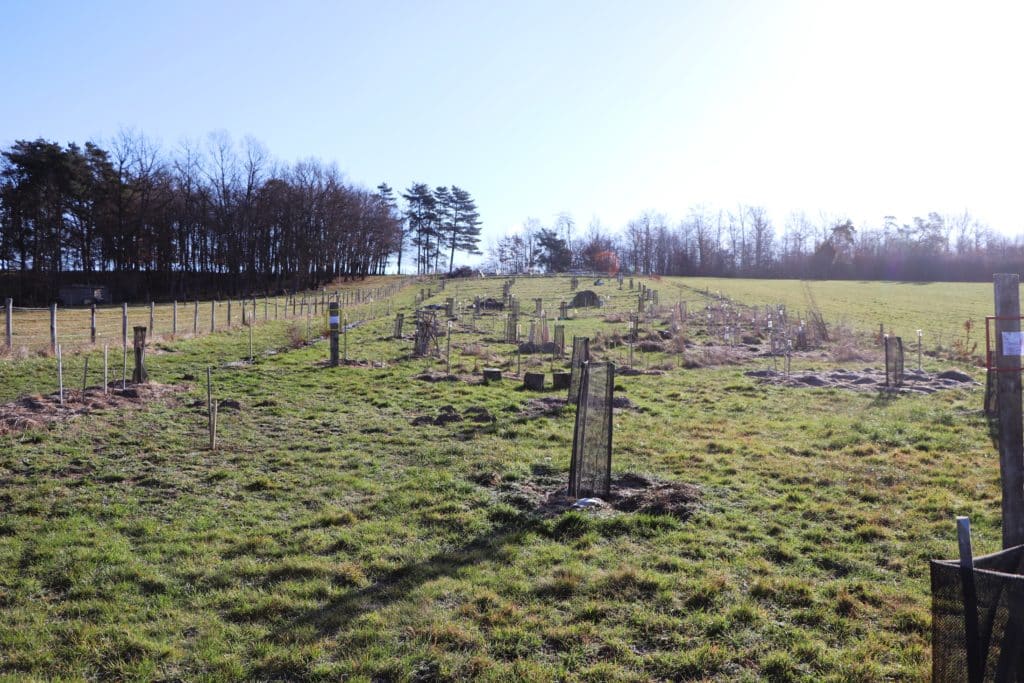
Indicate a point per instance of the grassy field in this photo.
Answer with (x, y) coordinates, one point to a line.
(31, 326)
(938, 309)
(328, 538)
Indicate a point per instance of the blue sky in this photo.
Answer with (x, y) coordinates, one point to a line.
(601, 109)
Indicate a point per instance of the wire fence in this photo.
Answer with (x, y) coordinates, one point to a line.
(39, 331)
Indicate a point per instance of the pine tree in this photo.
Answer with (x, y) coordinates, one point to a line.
(464, 234)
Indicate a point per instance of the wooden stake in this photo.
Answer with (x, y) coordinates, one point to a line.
(9, 323)
(211, 409)
(53, 330)
(970, 598)
(60, 374)
(85, 374)
(92, 323)
(1011, 430)
(105, 369)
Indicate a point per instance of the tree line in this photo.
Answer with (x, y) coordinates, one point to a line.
(744, 242)
(212, 218)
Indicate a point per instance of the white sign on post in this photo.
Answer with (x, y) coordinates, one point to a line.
(1012, 343)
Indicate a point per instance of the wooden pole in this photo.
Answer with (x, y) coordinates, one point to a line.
(211, 409)
(53, 328)
(92, 323)
(9, 323)
(970, 599)
(139, 375)
(105, 369)
(174, 319)
(1011, 438)
(213, 316)
(333, 320)
(195, 319)
(151, 330)
(85, 374)
(60, 374)
(229, 313)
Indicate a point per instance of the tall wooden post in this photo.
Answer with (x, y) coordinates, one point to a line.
(1011, 429)
(174, 318)
(333, 319)
(213, 316)
(195, 319)
(53, 327)
(9, 322)
(139, 375)
(124, 326)
(152, 332)
(92, 323)
(229, 312)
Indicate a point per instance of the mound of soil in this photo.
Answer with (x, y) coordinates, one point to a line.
(491, 304)
(868, 379)
(38, 411)
(549, 406)
(448, 414)
(630, 492)
(436, 377)
(585, 299)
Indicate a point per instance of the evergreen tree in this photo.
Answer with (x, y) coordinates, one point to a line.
(464, 233)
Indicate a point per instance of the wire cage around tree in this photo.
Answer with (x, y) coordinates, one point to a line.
(590, 470)
(978, 619)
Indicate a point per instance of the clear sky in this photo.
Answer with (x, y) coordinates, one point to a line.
(597, 108)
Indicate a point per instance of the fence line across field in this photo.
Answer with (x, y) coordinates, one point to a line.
(39, 329)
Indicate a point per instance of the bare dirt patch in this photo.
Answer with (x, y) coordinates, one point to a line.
(868, 379)
(548, 406)
(547, 494)
(448, 414)
(32, 412)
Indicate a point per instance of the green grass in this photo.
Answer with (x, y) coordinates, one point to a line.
(327, 538)
(938, 309)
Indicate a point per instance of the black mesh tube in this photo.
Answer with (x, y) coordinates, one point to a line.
(590, 473)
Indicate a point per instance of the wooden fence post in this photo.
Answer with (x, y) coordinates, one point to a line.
(9, 323)
(139, 375)
(174, 318)
(333, 320)
(92, 323)
(195, 319)
(124, 326)
(213, 316)
(53, 327)
(1011, 430)
(229, 312)
(152, 332)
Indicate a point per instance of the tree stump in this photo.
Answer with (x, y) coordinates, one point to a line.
(492, 374)
(560, 380)
(534, 381)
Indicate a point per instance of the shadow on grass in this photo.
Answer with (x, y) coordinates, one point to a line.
(395, 585)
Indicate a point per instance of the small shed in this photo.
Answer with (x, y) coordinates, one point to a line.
(83, 295)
